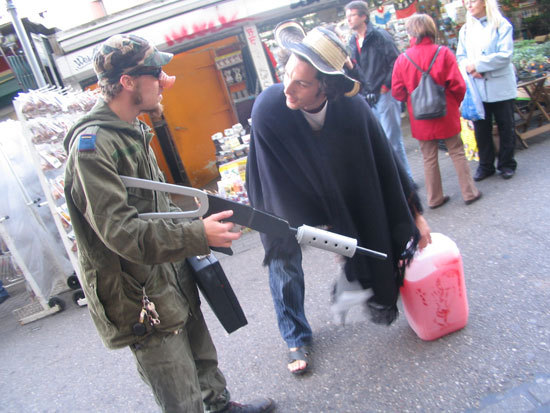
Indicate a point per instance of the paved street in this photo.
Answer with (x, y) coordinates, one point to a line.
(500, 362)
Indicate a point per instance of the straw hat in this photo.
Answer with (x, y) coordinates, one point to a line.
(321, 47)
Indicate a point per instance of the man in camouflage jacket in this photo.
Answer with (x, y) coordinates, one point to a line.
(139, 287)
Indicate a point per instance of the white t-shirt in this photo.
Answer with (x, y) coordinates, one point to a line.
(316, 120)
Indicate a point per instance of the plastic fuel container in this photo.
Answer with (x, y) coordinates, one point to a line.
(434, 290)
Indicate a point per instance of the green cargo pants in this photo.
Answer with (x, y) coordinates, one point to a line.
(182, 369)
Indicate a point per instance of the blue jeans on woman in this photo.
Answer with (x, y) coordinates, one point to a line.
(388, 112)
(3, 293)
(286, 281)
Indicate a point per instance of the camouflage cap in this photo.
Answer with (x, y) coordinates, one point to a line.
(122, 53)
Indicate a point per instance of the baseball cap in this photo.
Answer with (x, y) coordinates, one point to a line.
(122, 53)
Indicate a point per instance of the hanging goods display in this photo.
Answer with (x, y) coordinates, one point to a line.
(405, 8)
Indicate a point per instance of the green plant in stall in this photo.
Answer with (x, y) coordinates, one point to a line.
(529, 56)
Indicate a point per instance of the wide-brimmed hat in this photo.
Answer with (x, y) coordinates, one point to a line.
(321, 47)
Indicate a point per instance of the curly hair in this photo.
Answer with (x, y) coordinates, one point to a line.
(110, 90)
(333, 86)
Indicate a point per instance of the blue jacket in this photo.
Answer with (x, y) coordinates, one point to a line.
(494, 62)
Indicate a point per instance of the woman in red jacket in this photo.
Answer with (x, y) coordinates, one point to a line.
(445, 72)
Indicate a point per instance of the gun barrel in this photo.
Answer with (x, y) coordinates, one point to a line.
(371, 253)
(330, 241)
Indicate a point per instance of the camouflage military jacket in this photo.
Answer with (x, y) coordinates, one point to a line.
(121, 256)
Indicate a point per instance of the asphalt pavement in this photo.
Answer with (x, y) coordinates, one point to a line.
(500, 362)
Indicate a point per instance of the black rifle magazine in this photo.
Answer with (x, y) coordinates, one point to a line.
(217, 291)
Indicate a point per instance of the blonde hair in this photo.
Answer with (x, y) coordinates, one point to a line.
(494, 17)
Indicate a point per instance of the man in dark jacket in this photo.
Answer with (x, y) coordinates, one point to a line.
(373, 53)
(319, 157)
(139, 288)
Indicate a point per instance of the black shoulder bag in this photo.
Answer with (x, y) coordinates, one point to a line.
(217, 291)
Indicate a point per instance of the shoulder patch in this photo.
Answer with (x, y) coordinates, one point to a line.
(87, 138)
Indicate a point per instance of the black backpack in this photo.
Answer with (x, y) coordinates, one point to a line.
(428, 99)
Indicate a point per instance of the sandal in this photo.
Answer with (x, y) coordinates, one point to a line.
(300, 354)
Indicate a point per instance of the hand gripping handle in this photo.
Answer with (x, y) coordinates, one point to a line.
(130, 182)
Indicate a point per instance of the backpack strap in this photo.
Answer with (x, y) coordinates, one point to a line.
(412, 61)
(431, 64)
(433, 60)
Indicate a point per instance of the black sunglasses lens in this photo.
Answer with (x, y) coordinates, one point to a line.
(155, 72)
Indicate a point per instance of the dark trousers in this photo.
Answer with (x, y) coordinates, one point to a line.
(182, 369)
(503, 113)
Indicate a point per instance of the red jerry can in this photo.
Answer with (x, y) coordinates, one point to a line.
(434, 290)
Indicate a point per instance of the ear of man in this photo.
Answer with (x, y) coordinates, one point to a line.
(128, 82)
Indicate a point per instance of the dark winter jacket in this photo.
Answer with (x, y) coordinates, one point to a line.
(374, 60)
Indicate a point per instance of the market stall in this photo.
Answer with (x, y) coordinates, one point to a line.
(532, 108)
(532, 63)
(44, 116)
(26, 227)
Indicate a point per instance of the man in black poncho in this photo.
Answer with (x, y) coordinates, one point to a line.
(318, 157)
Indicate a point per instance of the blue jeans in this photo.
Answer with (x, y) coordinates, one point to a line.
(286, 281)
(388, 112)
(3, 291)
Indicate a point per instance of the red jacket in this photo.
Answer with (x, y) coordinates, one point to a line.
(445, 72)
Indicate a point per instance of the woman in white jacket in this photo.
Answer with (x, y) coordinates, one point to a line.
(484, 52)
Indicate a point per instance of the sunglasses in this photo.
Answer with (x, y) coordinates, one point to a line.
(144, 71)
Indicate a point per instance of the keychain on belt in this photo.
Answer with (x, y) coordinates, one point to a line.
(148, 313)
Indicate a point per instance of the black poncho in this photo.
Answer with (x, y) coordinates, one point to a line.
(345, 176)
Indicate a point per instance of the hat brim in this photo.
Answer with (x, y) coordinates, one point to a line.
(289, 35)
(162, 58)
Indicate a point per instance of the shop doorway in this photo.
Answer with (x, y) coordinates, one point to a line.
(196, 107)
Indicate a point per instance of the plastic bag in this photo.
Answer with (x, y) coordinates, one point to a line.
(469, 140)
(472, 106)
